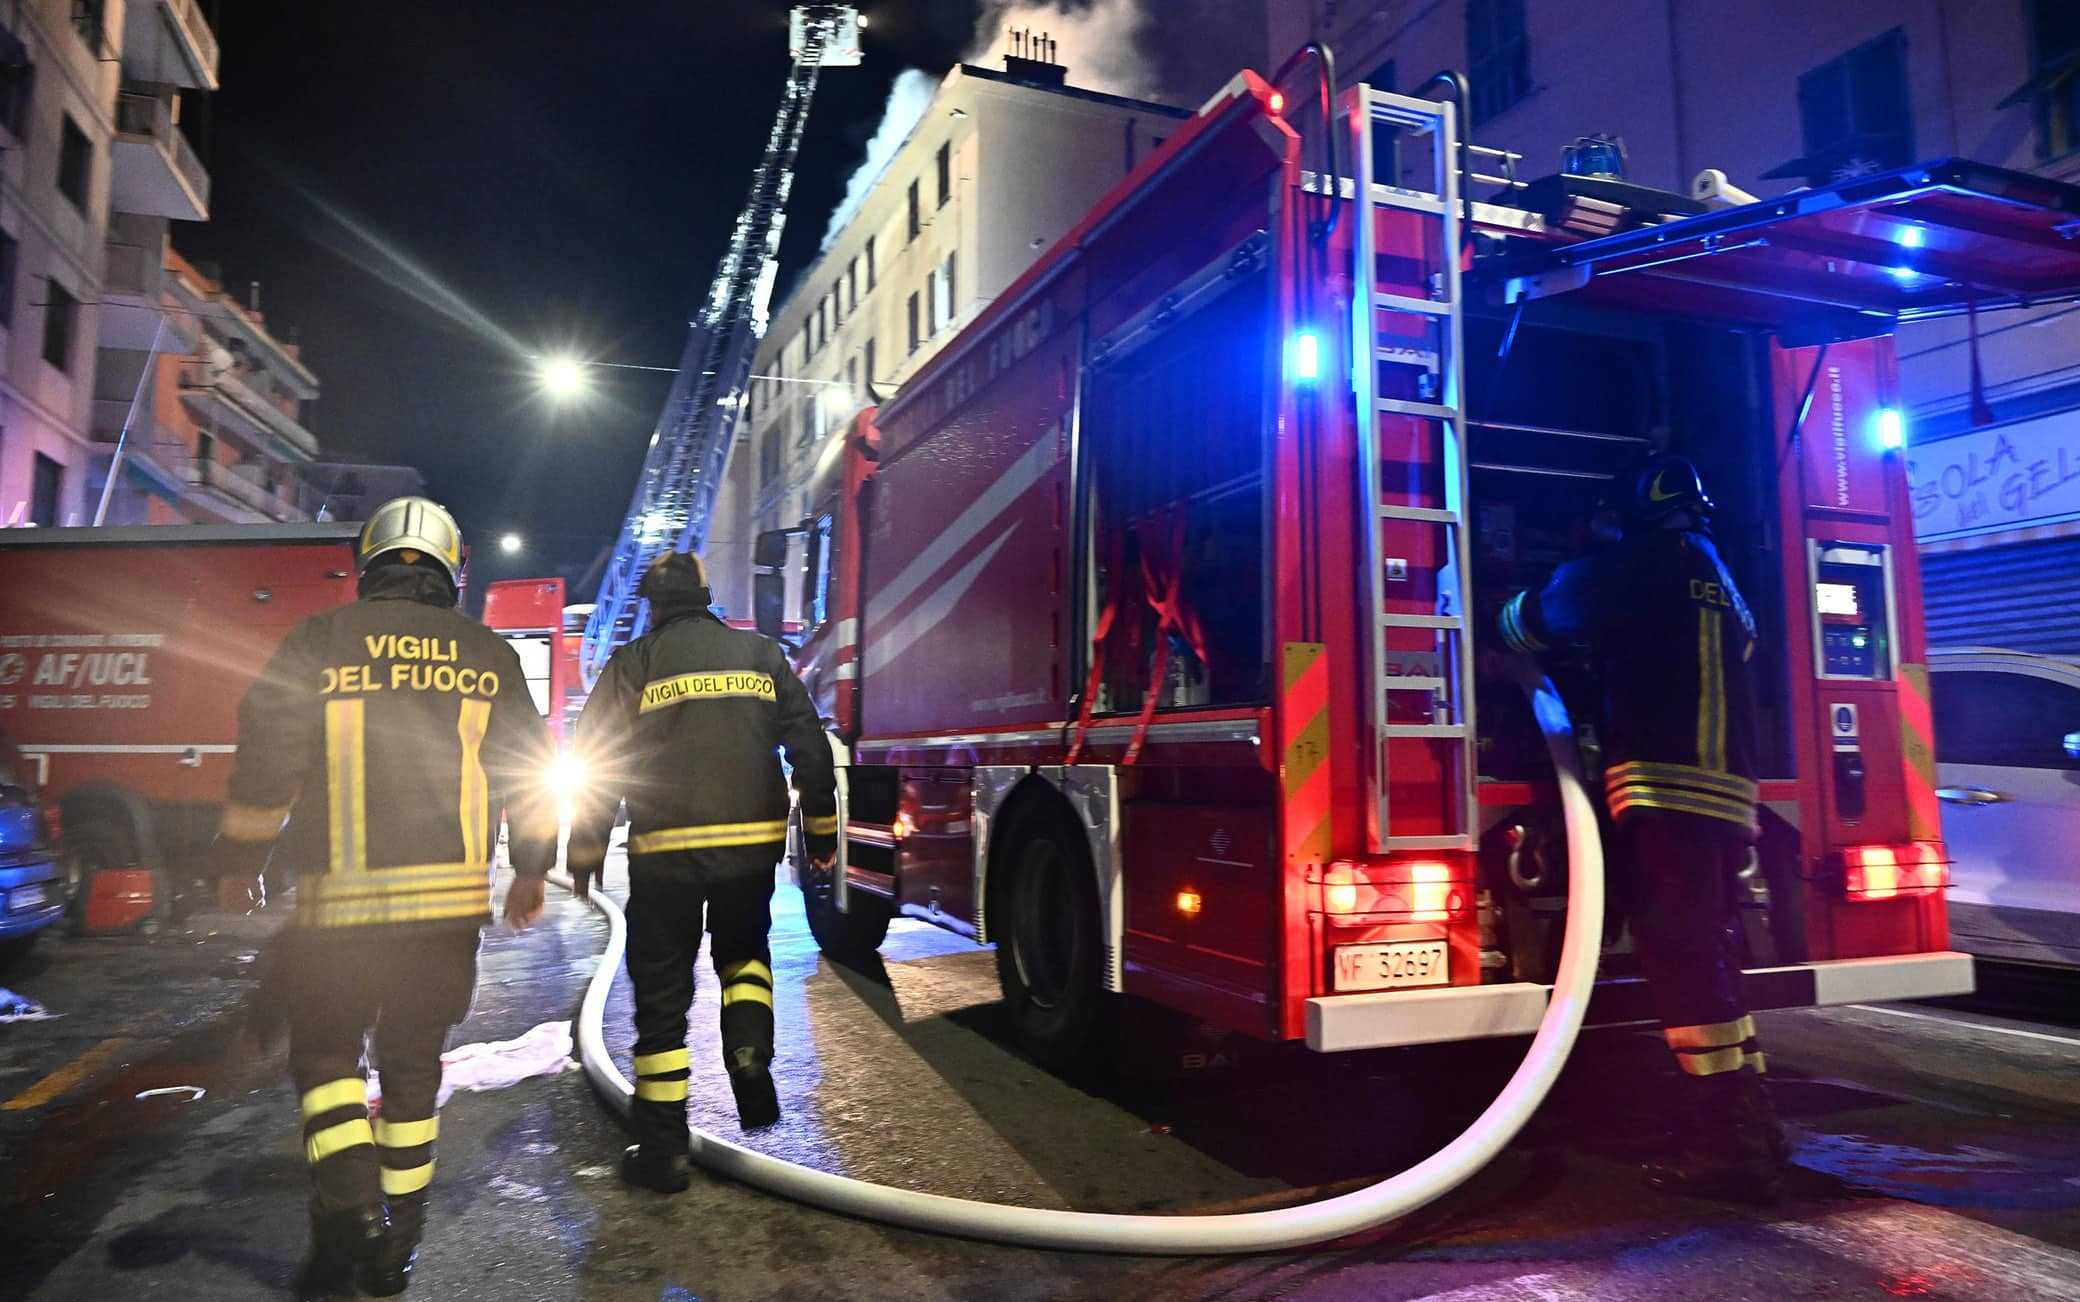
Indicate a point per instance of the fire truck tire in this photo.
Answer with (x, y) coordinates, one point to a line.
(105, 827)
(851, 935)
(1050, 954)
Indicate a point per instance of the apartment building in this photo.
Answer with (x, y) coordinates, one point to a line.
(1002, 163)
(93, 168)
(1786, 93)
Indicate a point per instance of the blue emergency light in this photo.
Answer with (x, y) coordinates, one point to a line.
(1892, 428)
(1307, 356)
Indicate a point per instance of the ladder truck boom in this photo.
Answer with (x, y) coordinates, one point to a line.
(689, 450)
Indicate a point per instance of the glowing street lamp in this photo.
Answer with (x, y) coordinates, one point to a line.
(562, 377)
(511, 544)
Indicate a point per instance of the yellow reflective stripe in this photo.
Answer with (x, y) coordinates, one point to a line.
(712, 836)
(410, 1180)
(661, 1091)
(346, 777)
(704, 687)
(349, 1091)
(251, 822)
(824, 825)
(1652, 773)
(750, 967)
(1683, 803)
(1513, 630)
(1756, 1060)
(474, 903)
(407, 1134)
(1711, 694)
(474, 798)
(656, 1064)
(334, 1139)
(746, 992)
(1711, 1035)
(1711, 1064)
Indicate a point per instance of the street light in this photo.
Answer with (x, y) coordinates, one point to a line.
(561, 377)
(511, 544)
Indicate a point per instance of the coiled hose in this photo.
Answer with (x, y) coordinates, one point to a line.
(1243, 1232)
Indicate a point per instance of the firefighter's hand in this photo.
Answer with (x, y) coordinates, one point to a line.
(524, 902)
(824, 862)
(241, 893)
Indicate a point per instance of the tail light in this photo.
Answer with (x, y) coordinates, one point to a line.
(1891, 872)
(1403, 891)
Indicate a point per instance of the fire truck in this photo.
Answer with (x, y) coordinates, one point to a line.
(1154, 613)
(531, 615)
(123, 656)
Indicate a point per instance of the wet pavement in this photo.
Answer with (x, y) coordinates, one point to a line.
(1938, 1149)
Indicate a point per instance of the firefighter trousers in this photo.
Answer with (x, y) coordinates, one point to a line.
(1683, 869)
(670, 897)
(409, 985)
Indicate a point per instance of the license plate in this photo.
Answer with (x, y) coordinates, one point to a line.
(1393, 967)
(24, 898)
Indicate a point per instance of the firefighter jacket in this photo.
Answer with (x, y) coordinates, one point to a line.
(1672, 640)
(390, 733)
(687, 724)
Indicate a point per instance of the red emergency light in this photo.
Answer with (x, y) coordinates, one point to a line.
(1891, 872)
(1408, 890)
(1277, 102)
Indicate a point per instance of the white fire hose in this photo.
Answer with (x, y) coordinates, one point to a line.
(1265, 1231)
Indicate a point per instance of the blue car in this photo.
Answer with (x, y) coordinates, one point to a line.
(32, 896)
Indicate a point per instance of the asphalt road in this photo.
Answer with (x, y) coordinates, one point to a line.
(1938, 1148)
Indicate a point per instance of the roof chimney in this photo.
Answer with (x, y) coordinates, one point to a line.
(1029, 56)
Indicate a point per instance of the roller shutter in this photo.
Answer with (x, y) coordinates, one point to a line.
(2024, 597)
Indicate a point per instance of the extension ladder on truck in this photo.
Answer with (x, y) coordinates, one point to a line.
(1407, 326)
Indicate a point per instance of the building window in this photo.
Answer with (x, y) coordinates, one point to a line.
(1499, 54)
(837, 303)
(57, 327)
(870, 264)
(44, 490)
(75, 159)
(945, 173)
(852, 377)
(1855, 114)
(852, 284)
(867, 365)
(769, 456)
(89, 22)
(916, 213)
(931, 305)
(914, 340)
(943, 299)
(2054, 83)
(17, 82)
(10, 260)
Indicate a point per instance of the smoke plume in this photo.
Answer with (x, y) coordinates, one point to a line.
(907, 101)
(1099, 41)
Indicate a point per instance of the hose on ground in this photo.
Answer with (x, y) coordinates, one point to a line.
(1244, 1232)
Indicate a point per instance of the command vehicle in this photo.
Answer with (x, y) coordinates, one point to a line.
(123, 656)
(1152, 613)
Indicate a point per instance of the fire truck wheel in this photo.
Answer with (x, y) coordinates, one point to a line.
(1044, 913)
(851, 936)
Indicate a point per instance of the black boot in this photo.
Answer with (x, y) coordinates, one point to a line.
(656, 1169)
(339, 1240)
(386, 1269)
(751, 1080)
(1720, 1148)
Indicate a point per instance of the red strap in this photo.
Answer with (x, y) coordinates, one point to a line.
(1162, 582)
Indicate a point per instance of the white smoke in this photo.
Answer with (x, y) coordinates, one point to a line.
(907, 101)
(1095, 39)
(1098, 42)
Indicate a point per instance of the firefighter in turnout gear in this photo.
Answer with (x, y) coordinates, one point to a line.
(686, 724)
(1673, 641)
(375, 755)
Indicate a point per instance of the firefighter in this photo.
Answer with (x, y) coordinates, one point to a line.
(686, 724)
(1673, 642)
(375, 754)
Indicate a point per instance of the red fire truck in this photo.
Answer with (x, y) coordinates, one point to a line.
(1153, 611)
(531, 615)
(123, 656)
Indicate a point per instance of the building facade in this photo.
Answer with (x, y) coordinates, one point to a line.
(1000, 165)
(93, 169)
(1779, 94)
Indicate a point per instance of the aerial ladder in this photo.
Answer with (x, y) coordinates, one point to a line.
(689, 450)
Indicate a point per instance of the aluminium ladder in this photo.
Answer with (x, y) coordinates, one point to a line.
(1410, 406)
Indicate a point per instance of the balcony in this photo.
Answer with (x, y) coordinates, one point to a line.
(240, 486)
(169, 41)
(153, 169)
(223, 400)
(131, 280)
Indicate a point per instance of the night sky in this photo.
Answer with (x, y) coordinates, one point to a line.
(428, 190)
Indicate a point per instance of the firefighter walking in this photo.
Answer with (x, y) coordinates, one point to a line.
(1672, 640)
(686, 724)
(388, 735)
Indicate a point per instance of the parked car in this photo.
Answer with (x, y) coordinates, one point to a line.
(2008, 765)
(31, 895)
